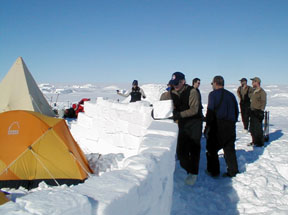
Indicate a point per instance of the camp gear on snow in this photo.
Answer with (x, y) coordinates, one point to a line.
(35, 148)
(266, 126)
(69, 113)
(75, 109)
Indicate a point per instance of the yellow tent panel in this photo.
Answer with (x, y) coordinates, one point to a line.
(35, 148)
(3, 198)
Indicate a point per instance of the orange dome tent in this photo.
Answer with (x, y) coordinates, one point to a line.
(35, 148)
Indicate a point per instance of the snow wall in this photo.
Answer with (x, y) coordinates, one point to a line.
(143, 182)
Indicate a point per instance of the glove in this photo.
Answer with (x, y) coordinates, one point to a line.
(176, 115)
(144, 97)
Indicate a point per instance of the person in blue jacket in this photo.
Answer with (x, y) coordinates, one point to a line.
(220, 131)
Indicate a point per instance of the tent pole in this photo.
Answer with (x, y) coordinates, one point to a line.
(36, 156)
(89, 174)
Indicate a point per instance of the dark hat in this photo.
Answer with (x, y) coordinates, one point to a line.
(176, 77)
(256, 79)
(135, 82)
(170, 82)
(243, 79)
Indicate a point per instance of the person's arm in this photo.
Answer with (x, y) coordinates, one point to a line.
(142, 93)
(126, 94)
(263, 100)
(210, 114)
(239, 93)
(193, 104)
(165, 96)
(236, 109)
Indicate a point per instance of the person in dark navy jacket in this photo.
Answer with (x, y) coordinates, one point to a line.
(220, 131)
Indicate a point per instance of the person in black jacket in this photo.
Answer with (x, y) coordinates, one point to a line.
(220, 131)
(196, 85)
(136, 92)
(188, 114)
(244, 93)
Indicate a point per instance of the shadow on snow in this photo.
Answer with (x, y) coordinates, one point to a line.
(245, 157)
(208, 196)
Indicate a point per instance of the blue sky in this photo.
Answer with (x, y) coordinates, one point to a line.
(122, 40)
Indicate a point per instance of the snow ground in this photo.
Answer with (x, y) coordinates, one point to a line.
(260, 188)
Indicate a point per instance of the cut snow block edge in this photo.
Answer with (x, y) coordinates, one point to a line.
(145, 183)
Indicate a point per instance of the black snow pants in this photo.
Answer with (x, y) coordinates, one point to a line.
(222, 136)
(188, 145)
(256, 127)
(245, 114)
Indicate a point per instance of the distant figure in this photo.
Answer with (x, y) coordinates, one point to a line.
(220, 131)
(244, 93)
(258, 104)
(136, 92)
(188, 113)
(75, 109)
(196, 85)
(166, 95)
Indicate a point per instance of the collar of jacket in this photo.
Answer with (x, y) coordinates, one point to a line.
(180, 91)
(257, 90)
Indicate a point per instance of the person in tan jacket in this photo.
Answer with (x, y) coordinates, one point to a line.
(258, 101)
(166, 95)
(188, 113)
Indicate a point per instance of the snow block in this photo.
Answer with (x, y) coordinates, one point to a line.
(144, 184)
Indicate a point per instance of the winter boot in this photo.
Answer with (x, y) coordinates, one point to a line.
(191, 179)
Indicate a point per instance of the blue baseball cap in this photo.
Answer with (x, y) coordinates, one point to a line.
(176, 77)
(135, 82)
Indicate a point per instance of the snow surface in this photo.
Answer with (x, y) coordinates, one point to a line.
(134, 160)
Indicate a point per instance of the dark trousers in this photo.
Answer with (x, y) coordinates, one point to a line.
(256, 128)
(245, 115)
(222, 136)
(189, 145)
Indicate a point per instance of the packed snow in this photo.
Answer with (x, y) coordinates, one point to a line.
(136, 171)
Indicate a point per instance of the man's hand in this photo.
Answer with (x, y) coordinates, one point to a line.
(176, 115)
